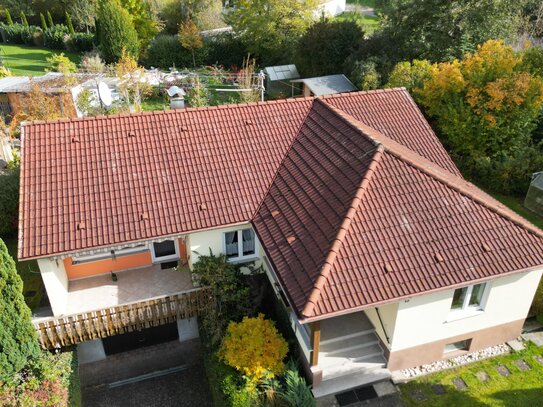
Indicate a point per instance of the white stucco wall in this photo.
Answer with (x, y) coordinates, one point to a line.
(427, 318)
(388, 314)
(56, 283)
(201, 242)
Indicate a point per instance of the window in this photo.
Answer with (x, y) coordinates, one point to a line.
(240, 244)
(165, 251)
(456, 346)
(469, 298)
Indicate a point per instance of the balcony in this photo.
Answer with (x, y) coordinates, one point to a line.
(135, 285)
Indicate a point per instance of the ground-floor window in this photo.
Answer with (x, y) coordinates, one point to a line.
(456, 346)
(166, 250)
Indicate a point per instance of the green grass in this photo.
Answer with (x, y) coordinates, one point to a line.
(27, 60)
(367, 23)
(29, 272)
(517, 205)
(367, 3)
(519, 389)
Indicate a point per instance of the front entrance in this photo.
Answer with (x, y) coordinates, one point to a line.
(138, 339)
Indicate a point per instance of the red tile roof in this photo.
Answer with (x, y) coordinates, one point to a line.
(410, 227)
(349, 215)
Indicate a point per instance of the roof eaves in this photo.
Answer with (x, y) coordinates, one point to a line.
(318, 287)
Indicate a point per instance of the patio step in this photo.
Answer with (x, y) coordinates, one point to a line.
(347, 382)
(349, 356)
(349, 342)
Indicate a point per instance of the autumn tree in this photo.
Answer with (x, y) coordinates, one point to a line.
(255, 348)
(132, 84)
(116, 32)
(410, 75)
(485, 103)
(145, 22)
(18, 339)
(270, 27)
(190, 38)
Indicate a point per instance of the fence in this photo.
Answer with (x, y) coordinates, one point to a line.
(73, 329)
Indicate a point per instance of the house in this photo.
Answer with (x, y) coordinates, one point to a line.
(323, 85)
(383, 255)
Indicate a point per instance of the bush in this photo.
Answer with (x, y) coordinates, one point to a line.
(92, 63)
(19, 33)
(166, 51)
(61, 63)
(54, 37)
(9, 202)
(255, 348)
(296, 391)
(80, 42)
(225, 49)
(365, 76)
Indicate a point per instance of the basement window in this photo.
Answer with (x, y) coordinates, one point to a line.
(240, 244)
(456, 346)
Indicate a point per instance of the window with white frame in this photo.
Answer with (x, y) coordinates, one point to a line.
(469, 299)
(240, 244)
(167, 250)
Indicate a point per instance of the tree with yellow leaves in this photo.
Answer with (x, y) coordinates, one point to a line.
(132, 84)
(485, 104)
(190, 38)
(255, 348)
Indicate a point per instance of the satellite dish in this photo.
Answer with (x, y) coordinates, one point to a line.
(104, 94)
(175, 90)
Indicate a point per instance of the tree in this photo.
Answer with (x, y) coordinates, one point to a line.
(410, 75)
(230, 293)
(442, 30)
(323, 49)
(365, 75)
(255, 348)
(9, 21)
(50, 22)
(43, 23)
(69, 24)
(24, 21)
(270, 27)
(116, 32)
(190, 38)
(18, 339)
(485, 104)
(132, 87)
(83, 13)
(146, 24)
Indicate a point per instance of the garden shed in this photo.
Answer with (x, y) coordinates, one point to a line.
(324, 85)
(278, 80)
(534, 197)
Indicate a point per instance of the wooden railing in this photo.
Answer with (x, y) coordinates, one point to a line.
(72, 329)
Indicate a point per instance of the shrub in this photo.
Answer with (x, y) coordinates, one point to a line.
(410, 75)
(80, 42)
(61, 63)
(54, 37)
(9, 202)
(116, 31)
(365, 75)
(69, 24)
(24, 21)
(240, 392)
(296, 391)
(18, 339)
(92, 63)
(166, 51)
(43, 23)
(230, 293)
(50, 19)
(15, 33)
(9, 21)
(224, 49)
(4, 72)
(255, 348)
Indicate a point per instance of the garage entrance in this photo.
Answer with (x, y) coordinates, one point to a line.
(139, 339)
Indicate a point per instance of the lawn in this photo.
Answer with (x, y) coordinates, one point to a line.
(29, 272)
(521, 388)
(367, 23)
(26, 60)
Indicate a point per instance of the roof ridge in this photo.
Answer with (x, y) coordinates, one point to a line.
(364, 92)
(451, 180)
(316, 291)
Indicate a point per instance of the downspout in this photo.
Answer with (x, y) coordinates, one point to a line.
(382, 325)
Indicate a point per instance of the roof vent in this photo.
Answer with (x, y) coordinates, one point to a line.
(131, 133)
(144, 216)
(80, 226)
(291, 239)
(75, 139)
(248, 122)
(388, 268)
(486, 247)
(439, 258)
(274, 213)
(202, 207)
(183, 128)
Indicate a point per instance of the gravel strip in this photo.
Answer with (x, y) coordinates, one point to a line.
(457, 361)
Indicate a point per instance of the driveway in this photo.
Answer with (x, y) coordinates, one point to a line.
(169, 374)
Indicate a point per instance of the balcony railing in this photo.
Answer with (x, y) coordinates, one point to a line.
(69, 330)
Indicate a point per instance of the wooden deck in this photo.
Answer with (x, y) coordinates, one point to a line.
(72, 329)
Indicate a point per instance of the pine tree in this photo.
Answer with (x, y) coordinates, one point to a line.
(24, 21)
(116, 31)
(69, 24)
(18, 339)
(50, 22)
(8, 17)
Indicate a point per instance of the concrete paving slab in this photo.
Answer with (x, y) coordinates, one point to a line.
(522, 365)
(482, 376)
(504, 371)
(516, 345)
(385, 388)
(459, 383)
(535, 337)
